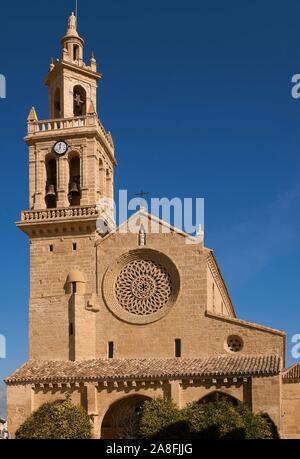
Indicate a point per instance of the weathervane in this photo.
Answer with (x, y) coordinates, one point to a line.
(142, 194)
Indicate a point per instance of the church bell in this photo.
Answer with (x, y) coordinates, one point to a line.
(74, 189)
(51, 191)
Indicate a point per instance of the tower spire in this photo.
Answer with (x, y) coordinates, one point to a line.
(76, 9)
(72, 43)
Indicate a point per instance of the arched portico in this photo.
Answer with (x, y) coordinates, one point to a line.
(121, 419)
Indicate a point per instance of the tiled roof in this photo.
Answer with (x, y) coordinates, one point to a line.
(292, 373)
(133, 369)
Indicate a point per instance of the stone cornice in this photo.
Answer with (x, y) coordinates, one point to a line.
(245, 323)
(84, 70)
(218, 277)
(55, 222)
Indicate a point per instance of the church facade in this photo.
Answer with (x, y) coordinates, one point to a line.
(121, 317)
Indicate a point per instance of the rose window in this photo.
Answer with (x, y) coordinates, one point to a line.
(143, 287)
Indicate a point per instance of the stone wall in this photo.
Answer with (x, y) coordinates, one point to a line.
(266, 397)
(291, 410)
(201, 335)
(49, 312)
(20, 405)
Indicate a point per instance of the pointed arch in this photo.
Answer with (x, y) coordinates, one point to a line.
(121, 419)
(217, 396)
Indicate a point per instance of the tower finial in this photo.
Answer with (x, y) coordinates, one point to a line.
(52, 65)
(76, 9)
(32, 117)
(72, 26)
(72, 23)
(72, 43)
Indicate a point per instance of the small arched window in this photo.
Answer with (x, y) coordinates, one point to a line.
(79, 95)
(75, 53)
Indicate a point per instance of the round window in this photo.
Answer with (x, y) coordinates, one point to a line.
(234, 344)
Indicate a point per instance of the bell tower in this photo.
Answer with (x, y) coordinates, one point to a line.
(71, 168)
(71, 155)
(72, 85)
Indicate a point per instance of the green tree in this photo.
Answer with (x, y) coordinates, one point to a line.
(216, 420)
(156, 416)
(60, 420)
(222, 419)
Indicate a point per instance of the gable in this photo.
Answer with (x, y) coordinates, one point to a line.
(151, 226)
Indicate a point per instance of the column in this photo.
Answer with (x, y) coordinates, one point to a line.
(39, 181)
(175, 392)
(62, 182)
(84, 178)
(92, 408)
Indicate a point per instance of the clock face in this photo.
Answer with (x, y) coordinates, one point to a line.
(61, 147)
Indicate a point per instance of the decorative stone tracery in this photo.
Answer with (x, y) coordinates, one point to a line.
(142, 286)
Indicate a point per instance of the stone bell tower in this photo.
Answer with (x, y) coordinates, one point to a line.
(71, 155)
(71, 168)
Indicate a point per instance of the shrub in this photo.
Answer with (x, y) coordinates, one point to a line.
(163, 419)
(59, 420)
(156, 416)
(222, 419)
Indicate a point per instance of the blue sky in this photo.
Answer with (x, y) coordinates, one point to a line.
(197, 96)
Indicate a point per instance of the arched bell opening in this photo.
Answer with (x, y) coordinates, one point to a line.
(79, 97)
(51, 184)
(74, 181)
(57, 104)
